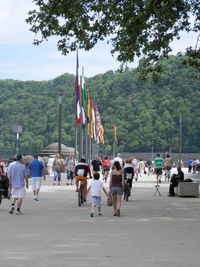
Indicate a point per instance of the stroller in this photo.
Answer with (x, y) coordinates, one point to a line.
(4, 187)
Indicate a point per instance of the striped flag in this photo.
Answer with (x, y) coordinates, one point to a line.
(115, 132)
(93, 121)
(98, 126)
(89, 116)
(102, 134)
(83, 98)
(78, 94)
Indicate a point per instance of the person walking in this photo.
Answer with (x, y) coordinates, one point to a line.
(141, 167)
(2, 167)
(116, 186)
(18, 177)
(36, 172)
(167, 163)
(129, 173)
(96, 165)
(190, 164)
(70, 165)
(96, 186)
(158, 167)
(57, 167)
(119, 159)
(194, 166)
(149, 166)
(135, 166)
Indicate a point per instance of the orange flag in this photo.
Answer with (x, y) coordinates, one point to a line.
(115, 132)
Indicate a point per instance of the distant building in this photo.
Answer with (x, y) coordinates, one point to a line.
(52, 149)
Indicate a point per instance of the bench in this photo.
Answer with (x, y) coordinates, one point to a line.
(188, 189)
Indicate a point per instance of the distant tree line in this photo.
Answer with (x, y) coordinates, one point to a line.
(147, 113)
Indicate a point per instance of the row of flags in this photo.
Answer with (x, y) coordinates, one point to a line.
(87, 115)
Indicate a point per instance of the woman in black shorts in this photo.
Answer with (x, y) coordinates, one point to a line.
(116, 187)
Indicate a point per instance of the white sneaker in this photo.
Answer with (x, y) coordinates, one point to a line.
(18, 212)
(36, 198)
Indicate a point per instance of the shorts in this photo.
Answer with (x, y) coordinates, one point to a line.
(83, 179)
(106, 169)
(70, 175)
(168, 168)
(116, 190)
(18, 192)
(158, 171)
(36, 183)
(96, 201)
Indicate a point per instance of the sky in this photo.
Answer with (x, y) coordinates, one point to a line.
(21, 60)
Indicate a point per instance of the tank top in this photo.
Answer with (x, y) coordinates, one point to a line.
(116, 180)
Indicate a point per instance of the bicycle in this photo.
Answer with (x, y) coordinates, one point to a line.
(127, 191)
(105, 174)
(80, 193)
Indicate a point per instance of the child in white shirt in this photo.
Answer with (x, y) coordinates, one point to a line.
(96, 186)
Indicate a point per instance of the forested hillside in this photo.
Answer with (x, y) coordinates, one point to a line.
(147, 113)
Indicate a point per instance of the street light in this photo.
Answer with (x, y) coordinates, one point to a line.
(17, 129)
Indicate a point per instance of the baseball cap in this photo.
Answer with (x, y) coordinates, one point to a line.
(18, 157)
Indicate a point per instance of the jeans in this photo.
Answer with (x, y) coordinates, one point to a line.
(57, 175)
(70, 175)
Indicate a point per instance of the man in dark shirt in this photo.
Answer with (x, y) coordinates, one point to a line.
(176, 178)
(96, 163)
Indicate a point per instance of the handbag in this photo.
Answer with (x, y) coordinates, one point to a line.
(109, 200)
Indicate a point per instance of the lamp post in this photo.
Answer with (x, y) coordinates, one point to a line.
(17, 129)
(59, 123)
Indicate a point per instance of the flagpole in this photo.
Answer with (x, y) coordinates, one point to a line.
(92, 149)
(75, 152)
(79, 121)
(89, 150)
(115, 138)
(86, 145)
(114, 149)
(81, 127)
(80, 142)
(60, 124)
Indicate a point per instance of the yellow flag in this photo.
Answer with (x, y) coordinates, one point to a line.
(115, 132)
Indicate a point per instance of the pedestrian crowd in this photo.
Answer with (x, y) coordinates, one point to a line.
(119, 171)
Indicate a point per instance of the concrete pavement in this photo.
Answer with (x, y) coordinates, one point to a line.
(151, 232)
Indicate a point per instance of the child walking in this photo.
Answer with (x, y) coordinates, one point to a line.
(96, 186)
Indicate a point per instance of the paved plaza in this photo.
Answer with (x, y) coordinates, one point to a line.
(152, 230)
